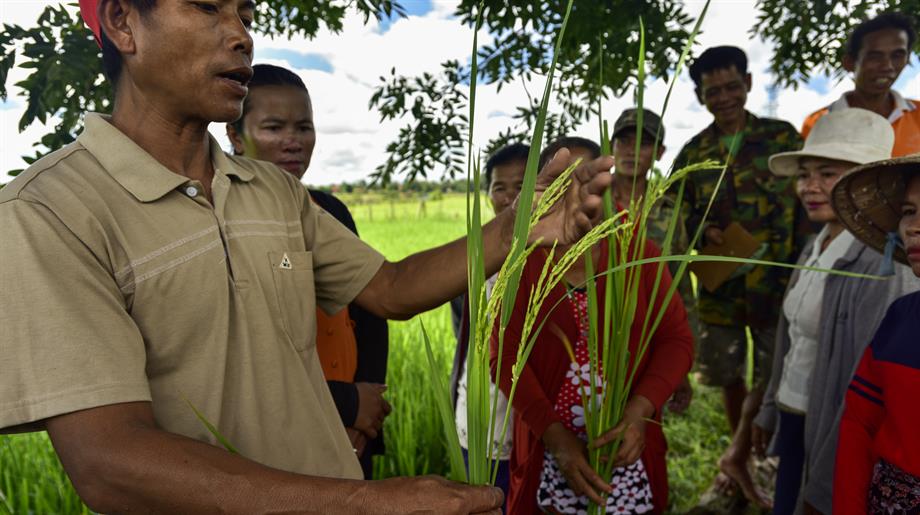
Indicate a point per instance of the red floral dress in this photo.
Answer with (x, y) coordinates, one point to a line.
(632, 492)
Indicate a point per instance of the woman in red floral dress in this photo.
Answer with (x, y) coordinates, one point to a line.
(549, 467)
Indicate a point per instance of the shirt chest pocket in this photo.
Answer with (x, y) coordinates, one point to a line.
(292, 275)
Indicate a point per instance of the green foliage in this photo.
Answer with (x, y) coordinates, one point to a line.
(443, 405)
(809, 37)
(523, 48)
(65, 66)
(436, 105)
(65, 78)
(32, 479)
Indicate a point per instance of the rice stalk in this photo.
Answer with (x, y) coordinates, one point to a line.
(484, 314)
(610, 336)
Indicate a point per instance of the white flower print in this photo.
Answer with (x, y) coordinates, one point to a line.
(578, 420)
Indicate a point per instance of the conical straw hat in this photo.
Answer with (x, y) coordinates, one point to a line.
(868, 199)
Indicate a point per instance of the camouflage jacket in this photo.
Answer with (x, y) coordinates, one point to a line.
(765, 205)
(656, 230)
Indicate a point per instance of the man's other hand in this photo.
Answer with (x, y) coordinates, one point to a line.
(582, 205)
(433, 494)
(372, 408)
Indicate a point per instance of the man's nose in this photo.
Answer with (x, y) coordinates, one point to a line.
(238, 37)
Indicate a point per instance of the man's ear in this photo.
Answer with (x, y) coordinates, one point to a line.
(748, 81)
(236, 139)
(115, 23)
(699, 95)
(661, 149)
(849, 64)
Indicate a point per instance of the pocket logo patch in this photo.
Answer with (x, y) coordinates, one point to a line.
(285, 263)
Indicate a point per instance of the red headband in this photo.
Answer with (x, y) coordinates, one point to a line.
(88, 10)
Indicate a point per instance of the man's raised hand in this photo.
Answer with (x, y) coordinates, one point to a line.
(582, 205)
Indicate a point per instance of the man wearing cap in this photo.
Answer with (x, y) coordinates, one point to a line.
(630, 181)
(765, 207)
(148, 277)
(876, 53)
(827, 319)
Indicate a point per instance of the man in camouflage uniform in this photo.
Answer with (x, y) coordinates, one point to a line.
(766, 207)
(630, 182)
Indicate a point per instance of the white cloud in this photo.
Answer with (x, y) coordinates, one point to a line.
(351, 138)
(22, 12)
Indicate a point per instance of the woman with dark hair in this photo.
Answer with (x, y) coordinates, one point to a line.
(277, 126)
(878, 453)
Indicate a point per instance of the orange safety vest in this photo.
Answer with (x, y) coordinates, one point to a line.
(906, 129)
(336, 345)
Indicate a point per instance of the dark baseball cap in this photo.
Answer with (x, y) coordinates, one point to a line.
(629, 120)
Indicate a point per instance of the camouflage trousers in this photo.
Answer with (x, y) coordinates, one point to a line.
(721, 357)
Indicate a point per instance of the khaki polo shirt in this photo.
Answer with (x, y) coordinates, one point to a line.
(120, 282)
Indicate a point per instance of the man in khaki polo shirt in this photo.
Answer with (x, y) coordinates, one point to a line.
(144, 273)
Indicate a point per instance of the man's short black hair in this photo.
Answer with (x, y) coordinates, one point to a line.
(883, 21)
(718, 58)
(569, 142)
(268, 75)
(111, 57)
(507, 154)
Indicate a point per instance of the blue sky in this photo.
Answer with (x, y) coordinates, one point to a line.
(342, 70)
(413, 8)
(305, 61)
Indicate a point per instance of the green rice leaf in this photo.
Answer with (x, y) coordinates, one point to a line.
(455, 455)
(526, 196)
(213, 430)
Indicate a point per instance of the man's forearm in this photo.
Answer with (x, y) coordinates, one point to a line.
(430, 278)
(120, 462)
(147, 469)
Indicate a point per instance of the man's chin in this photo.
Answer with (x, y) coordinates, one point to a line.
(728, 119)
(229, 112)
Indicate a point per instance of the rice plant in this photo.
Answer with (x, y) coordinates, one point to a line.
(613, 367)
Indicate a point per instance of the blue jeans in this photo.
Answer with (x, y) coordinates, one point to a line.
(501, 479)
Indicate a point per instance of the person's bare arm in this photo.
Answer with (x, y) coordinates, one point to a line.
(430, 278)
(119, 461)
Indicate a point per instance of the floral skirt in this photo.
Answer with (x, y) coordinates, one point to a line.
(893, 491)
(632, 492)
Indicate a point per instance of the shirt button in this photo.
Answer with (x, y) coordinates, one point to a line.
(191, 191)
(335, 364)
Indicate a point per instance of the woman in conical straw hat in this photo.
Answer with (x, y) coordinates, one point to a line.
(878, 453)
(839, 142)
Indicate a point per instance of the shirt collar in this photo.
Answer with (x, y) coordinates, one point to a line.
(136, 170)
(224, 164)
(901, 105)
(835, 250)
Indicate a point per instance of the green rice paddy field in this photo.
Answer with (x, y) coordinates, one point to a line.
(32, 481)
